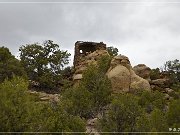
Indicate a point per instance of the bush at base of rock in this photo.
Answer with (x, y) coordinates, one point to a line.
(91, 95)
(151, 100)
(173, 116)
(125, 114)
(154, 122)
(122, 115)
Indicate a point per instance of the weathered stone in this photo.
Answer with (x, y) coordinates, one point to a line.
(80, 70)
(86, 53)
(33, 84)
(77, 77)
(138, 83)
(45, 97)
(167, 97)
(123, 78)
(120, 78)
(143, 71)
(169, 91)
(162, 83)
(92, 122)
(155, 87)
(91, 127)
(82, 49)
(121, 59)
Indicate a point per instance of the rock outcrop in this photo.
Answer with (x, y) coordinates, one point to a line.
(45, 97)
(91, 126)
(162, 83)
(121, 74)
(143, 71)
(138, 83)
(120, 78)
(123, 78)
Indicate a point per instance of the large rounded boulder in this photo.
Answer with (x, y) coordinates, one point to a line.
(123, 78)
(138, 83)
(120, 78)
(143, 71)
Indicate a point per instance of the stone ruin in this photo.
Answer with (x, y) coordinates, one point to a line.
(86, 53)
(82, 49)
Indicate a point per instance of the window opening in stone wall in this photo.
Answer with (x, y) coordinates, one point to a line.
(80, 51)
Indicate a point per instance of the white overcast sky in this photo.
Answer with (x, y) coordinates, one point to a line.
(147, 31)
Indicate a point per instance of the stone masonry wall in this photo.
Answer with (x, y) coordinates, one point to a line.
(82, 49)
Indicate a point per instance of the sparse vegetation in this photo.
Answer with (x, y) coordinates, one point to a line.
(112, 51)
(92, 97)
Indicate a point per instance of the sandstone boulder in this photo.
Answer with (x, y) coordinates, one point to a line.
(167, 97)
(120, 78)
(143, 71)
(91, 127)
(121, 60)
(162, 83)
(45, 97)
(169, 91)
(155, 87)
(92, 122)
(138, 83)
(123, 78)
(80, 69)
(77, 77)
